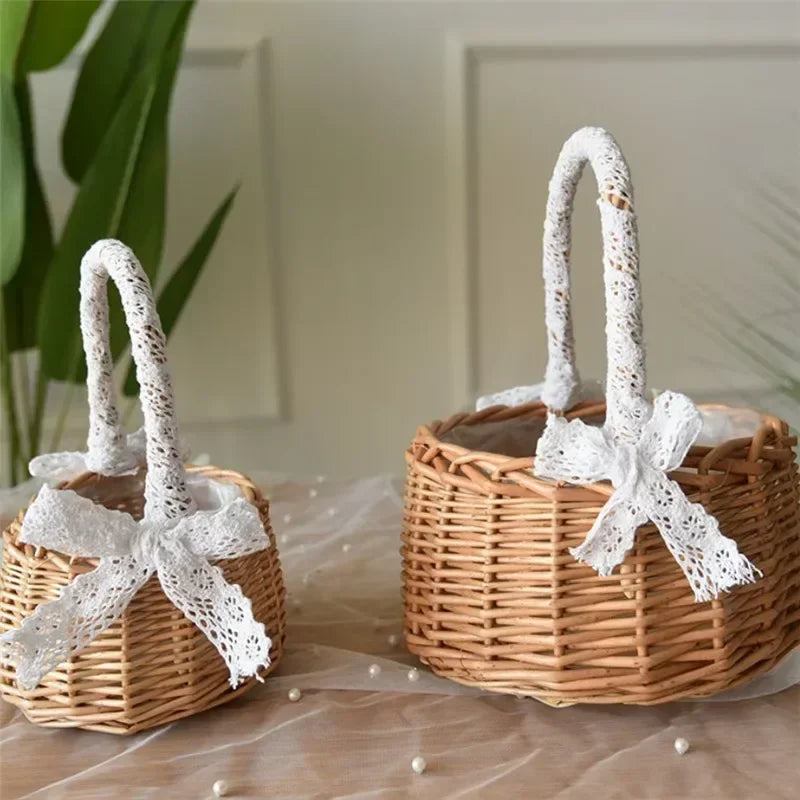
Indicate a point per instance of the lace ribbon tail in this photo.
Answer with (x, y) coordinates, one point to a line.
(710, 560)
(62, 627)
(233, 531)
(611, 536)
(216, 607)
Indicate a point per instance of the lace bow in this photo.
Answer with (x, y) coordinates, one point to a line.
(575, 452)
(130, 552)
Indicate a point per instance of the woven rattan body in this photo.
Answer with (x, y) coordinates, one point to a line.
(153, 665)
(494, 599)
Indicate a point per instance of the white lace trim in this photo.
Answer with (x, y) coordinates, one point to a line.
(65, 466)
(178, 551)
(522, 395)
(166, 493)
(578, 453)
(68, 465)
(626, 378)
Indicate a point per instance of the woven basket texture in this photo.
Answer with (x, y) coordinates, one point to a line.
(153, 665)
(494, 599)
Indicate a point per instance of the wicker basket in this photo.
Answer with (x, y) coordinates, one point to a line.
(494, 599)
(152, 665)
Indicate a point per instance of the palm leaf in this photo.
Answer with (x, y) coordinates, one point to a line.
(13, 18)
(134, 34)
(21, 294)
(122, 195)
(12, 174)
(52, 30)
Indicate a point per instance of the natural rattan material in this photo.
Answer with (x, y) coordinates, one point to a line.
(152, 666)
(494, 599)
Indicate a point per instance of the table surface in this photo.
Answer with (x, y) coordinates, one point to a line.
(353, 736)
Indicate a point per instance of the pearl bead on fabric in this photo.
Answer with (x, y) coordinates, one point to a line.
(393, 640)
(413, 674)
(220, 788)
(418, 764)
(295, 694)
(374, 670)
(681, 746)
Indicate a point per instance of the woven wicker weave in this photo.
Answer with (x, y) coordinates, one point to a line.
(153, 665)
(494, 599)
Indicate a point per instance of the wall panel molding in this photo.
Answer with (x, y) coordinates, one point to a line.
(745, 35)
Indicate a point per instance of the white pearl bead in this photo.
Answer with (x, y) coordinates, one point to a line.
(312, 492)
(393, 640)
(283, 538)
(681, 746)
(295, 694)
(374, 670)
(331, 512)
(320, 479)
(413, 674)
(346, 547)
(418, 764)
(287, 518)
(220, 788)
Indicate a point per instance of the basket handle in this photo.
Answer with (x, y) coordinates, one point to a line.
(627, 407)
(166, 495)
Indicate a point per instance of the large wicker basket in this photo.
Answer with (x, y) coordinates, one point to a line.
(494, 599)
(152, 665)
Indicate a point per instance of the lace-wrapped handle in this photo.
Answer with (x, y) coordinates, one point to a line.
(166, 495)
(627, 407)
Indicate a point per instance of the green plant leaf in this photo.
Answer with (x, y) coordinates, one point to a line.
(134, 34)
(21, 294)
(176, 293)
(121, 196)
(12, 179)
(13, 17)
(53, 29)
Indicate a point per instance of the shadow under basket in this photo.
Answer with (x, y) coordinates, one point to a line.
(153, 665)
(494, 599)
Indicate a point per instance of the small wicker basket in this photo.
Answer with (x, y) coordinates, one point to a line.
(152, 665)
(493, 597)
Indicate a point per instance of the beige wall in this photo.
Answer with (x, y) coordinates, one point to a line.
(381, 264)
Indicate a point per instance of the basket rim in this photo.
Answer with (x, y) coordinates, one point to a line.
(495, 473)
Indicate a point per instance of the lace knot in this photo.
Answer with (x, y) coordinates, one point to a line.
(626, 465)
(145, 543)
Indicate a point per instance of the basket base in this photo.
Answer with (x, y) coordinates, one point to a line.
(752, 668)
(117, 724)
